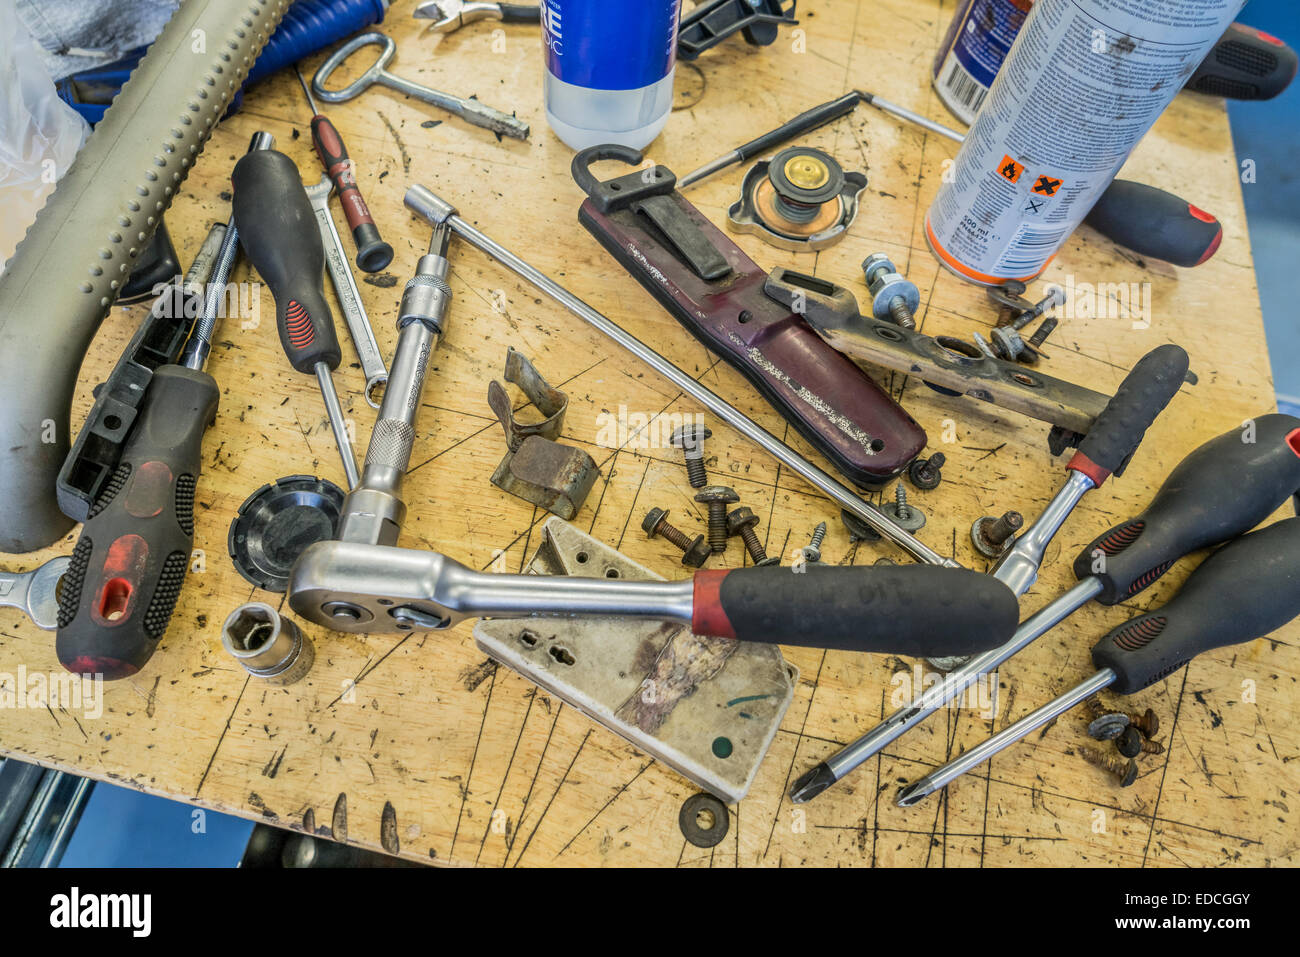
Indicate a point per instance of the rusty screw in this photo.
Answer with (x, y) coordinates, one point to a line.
(1147, 723)
(1131, 743)
(690, 439)
(694, 551)
(1045, 329)
(925, 473)
(1124, 771)
(991, 536)
(717, 498)
(741, 522)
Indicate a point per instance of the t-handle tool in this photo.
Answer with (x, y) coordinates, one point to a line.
(1260, 462)
(451, 15)
(373, 254)
(130, 562)
(1245, 590)
(282, 240)
(470, 110)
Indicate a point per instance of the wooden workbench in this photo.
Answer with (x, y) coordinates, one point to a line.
(412, 743)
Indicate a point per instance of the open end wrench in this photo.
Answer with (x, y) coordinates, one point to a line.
(35, 592)
(470, 110)
(345, 288)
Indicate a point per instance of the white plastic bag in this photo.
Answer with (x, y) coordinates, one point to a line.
(39, 133)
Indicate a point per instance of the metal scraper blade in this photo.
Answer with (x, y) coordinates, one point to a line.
(706, 707)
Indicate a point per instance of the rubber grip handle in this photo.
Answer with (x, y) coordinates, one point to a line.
(919, 610)
(808, 120)
(1156, 224)
(1246, 64)
(373, 254)
(1119, 428)
(1247, 589)
(117, 596)
(281, 238)
(520, 13)
(1221, 490)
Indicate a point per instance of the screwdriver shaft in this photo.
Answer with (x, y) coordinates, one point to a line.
(337, 423)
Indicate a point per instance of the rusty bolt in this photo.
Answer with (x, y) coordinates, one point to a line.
(1131, 743)
(690, 439)
(1123, 770)
(925, 473)
(991, 536)
(1147, 723)
(741, 522)
(717, 498)
(694, 551)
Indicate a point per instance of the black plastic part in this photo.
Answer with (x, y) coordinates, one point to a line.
(1245, 65)
(117, 596)
(98, 446)
(784, 187)
(917, 610)
(621, 192)
(1245, 590)
(1143, 395)
(1221, 490)
(281, 238)
(277, 523)
(808, 120)
(373, 254)
(157, 265)
(1155, 224)
(713, 21)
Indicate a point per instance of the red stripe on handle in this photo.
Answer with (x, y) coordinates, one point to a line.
(707, 614)
(297, 324)
(1081, 463)
(1293, 440)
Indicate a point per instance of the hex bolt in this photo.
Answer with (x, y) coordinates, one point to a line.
(741, 522)
(694, 551)
(1147, 723)
(1043, 331)
(1131, 743)
(907, 516)
(690, 439)
(1124, 771)
(925, 473)
(717, 498)
(992, 536)
(893, 297)
(812, 552)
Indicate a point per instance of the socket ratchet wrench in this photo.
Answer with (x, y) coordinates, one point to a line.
(1188, 513)
(363, 583)
(470, 110)
(345, 288)
(438, 211)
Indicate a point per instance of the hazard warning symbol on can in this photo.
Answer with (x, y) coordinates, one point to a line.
(1047, 185)
(1010, 170)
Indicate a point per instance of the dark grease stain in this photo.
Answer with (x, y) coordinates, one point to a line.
(471, 678)
(339, 821)
(388, 829)
(384, 280)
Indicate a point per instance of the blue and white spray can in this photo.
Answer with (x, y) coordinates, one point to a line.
(609, 69)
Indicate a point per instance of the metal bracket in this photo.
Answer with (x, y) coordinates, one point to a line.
(706, 707)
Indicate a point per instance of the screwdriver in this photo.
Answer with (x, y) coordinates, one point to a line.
(1245, 590)
(1261, 465)
(281, 239)
(1149, 221)
(373, 254)
(127, 570)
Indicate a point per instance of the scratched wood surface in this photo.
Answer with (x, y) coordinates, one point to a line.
(418, 745)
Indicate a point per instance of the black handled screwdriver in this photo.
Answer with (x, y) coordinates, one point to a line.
(373, 254)
(117, 597)
(1245, 590)
(1149, 221)
(282, 240)
(1259, 463)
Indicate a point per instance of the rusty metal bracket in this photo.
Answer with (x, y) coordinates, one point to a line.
(940, 362)
(536, 468)
(708, 708)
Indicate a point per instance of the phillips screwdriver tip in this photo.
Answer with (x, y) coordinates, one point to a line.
(812, 784)
(914, 793)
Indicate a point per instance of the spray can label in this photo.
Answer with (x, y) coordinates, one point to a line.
(610, 44)
(977, 43)
(1084, 82)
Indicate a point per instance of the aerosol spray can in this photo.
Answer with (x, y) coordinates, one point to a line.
(1081, 86)
(970, 56)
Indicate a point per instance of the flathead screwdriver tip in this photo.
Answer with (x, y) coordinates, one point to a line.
(812, 784)
(914, 793)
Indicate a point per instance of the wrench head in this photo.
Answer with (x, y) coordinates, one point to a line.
(43, 593)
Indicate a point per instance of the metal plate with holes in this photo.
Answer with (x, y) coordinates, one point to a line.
(707, 707)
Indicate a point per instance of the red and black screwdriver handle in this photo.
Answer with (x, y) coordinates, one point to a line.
(1246, 64)
(1221, 490)
(919, 610)
(1120, 427)
(118, 593)
(1245, 590)
(373, 254)
(281, 238)
(1156, 224)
